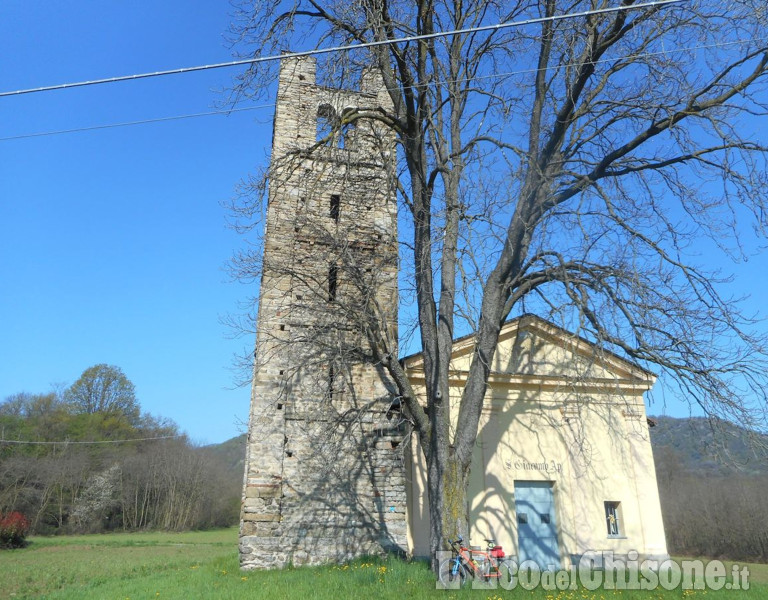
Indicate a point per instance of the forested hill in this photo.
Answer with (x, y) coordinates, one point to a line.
(87, 459)
(229, 454)
(702, 446)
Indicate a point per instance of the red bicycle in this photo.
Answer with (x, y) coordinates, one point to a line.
(465, 564)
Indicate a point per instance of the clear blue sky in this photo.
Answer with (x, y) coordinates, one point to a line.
(113, 242)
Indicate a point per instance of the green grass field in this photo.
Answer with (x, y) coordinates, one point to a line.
(204, 565)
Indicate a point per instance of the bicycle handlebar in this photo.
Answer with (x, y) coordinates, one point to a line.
(460, 540)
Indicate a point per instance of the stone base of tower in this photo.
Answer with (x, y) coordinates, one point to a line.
(337, 500)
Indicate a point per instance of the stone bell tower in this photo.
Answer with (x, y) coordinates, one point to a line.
(324, 479)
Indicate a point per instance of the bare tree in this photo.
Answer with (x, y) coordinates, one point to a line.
(569, 167)
(104, 389)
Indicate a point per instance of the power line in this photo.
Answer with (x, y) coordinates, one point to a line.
(318, 51)
(261, 106)
(614, 59)
(66, 442)
(129, 123)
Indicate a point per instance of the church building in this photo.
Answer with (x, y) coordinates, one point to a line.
(562, 463)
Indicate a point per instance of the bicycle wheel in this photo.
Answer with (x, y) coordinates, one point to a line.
(452, 576)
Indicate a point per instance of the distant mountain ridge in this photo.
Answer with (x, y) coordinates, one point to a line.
(713, 447)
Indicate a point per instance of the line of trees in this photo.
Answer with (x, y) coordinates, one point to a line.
(719, 516)
(713, 481)
(63, 463)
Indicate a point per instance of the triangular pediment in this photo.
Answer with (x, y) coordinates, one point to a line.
(536, 352)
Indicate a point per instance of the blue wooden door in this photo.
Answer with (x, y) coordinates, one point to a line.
(536, 524)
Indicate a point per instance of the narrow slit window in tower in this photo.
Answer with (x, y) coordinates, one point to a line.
(333, 275)
(335, 206)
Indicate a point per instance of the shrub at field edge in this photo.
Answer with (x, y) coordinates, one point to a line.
(13, 530)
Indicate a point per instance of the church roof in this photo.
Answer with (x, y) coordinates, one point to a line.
(535, 352)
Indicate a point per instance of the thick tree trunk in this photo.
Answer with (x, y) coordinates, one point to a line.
(455, 516)
(448, 502)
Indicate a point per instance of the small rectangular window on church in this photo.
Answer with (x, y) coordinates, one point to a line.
(335, 207)
(613, 518)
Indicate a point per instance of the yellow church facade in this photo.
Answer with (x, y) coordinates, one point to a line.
(563, 464)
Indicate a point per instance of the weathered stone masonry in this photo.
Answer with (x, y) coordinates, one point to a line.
(324, 478)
